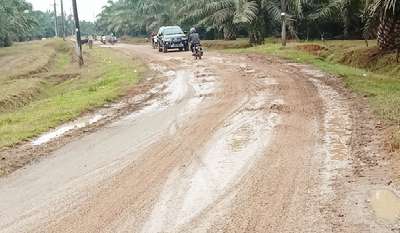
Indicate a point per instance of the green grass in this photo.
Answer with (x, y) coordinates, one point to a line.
(226, 44)
(61, 61)
(382, 87)
(106, 76)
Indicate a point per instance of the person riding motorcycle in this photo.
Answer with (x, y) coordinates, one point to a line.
(194, 39)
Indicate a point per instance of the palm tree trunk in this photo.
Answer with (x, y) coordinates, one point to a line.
(256, 30)
(389, 33)
(346, 23)
(229, 32)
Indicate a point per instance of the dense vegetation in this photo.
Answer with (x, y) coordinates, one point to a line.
(307, 19)
(18, 22)
(15, 20)
(228, 19)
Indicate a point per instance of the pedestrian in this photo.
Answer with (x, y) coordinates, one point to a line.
(90, 42)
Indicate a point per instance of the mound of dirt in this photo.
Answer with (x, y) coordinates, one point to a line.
(314, 49)
(361, 57)
(370, 58)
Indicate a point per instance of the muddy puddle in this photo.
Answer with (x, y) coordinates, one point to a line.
(385, 205)
(60, 131)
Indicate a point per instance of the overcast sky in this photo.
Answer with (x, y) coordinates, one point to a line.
(88, 9)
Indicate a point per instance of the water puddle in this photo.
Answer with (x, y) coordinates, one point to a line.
(314, 73)
(178, 87)
(386, 205)
(308, 70)
(58, 132)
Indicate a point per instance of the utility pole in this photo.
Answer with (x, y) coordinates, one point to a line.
(78, 33)
(72, 26)
(55, 19)
(284, 16)
(62, 19)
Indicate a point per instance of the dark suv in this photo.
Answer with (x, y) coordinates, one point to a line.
(172, 37)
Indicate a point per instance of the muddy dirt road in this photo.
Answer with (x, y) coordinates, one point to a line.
(231, 143)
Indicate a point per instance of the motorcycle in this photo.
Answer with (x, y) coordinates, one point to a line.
(154, 42)
(198, 51)
(103, 40)
(112, 40)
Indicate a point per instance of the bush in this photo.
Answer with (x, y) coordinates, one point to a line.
(5, 41)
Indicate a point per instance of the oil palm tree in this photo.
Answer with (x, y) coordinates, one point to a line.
(346, 12)
(129, 16)
(159, 13)
(385, 16)
(297, 12)
(224, 15)
(15, 20)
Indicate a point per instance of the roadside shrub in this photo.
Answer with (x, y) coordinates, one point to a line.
(5, 41)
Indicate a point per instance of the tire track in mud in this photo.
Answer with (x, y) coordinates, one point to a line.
(270, 197)
(217, 167)
(292, 188)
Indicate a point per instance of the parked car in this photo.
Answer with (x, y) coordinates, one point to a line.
(172, 37)
(112, 39)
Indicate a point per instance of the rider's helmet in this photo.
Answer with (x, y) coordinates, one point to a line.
(193, 30)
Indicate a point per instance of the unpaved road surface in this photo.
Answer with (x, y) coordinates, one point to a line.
(231, 143)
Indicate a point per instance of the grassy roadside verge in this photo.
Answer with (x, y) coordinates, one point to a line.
(382, 88)
(65, 91)
(226, 44)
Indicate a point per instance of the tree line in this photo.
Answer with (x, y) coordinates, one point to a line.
(257, 19)
(18, 22)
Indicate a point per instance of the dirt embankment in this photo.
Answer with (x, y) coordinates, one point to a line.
(368, 58)
(313, 49)
(20, 73)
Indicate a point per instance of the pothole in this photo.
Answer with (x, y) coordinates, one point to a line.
(386, 205)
